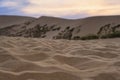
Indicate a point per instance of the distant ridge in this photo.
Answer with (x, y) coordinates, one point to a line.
(80, 18)
(54, 17)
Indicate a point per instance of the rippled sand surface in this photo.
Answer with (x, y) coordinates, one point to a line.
(42, 59)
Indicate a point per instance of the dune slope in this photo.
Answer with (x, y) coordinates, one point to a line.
(58, 28)
(13, 20)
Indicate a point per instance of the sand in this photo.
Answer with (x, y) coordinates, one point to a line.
(46, 59)
(8, 20)
(21, 25)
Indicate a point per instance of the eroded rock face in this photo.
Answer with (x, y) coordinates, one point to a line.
(108, 29)
(39, 31)
(65, 34)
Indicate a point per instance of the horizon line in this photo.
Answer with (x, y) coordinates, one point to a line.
(60, 17)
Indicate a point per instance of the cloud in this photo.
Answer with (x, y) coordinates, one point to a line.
(60, 8)
(18, 4)
(65, 8)
(76, 16)
(71, 7)
(113, 2)
(8, 4)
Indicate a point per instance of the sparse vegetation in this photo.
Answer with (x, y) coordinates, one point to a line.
(89, 37)
(109, 31)
(112, 35)
(76, 38)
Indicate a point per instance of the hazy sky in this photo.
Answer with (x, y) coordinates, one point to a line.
(60, 8)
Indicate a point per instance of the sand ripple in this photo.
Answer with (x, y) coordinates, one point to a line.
(42, 59)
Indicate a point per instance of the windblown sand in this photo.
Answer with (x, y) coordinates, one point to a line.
(42, 59)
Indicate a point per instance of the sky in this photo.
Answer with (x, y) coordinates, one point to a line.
(71, 9)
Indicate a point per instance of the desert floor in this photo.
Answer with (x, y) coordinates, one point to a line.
(42, 59)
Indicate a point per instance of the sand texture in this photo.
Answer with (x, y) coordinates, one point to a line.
(46, 59)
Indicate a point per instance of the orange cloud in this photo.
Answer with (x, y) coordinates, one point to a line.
(61, 8)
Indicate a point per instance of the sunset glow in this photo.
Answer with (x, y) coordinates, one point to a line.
(59, 8)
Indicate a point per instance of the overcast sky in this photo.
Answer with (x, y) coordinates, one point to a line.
(60, 8)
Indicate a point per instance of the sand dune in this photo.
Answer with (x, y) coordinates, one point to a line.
(13, 20)
(45, 59)
(58, 28)
(89, 25)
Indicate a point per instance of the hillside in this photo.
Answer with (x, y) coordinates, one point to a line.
(58, 28)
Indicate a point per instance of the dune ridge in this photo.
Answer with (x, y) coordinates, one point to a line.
(7, 20)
